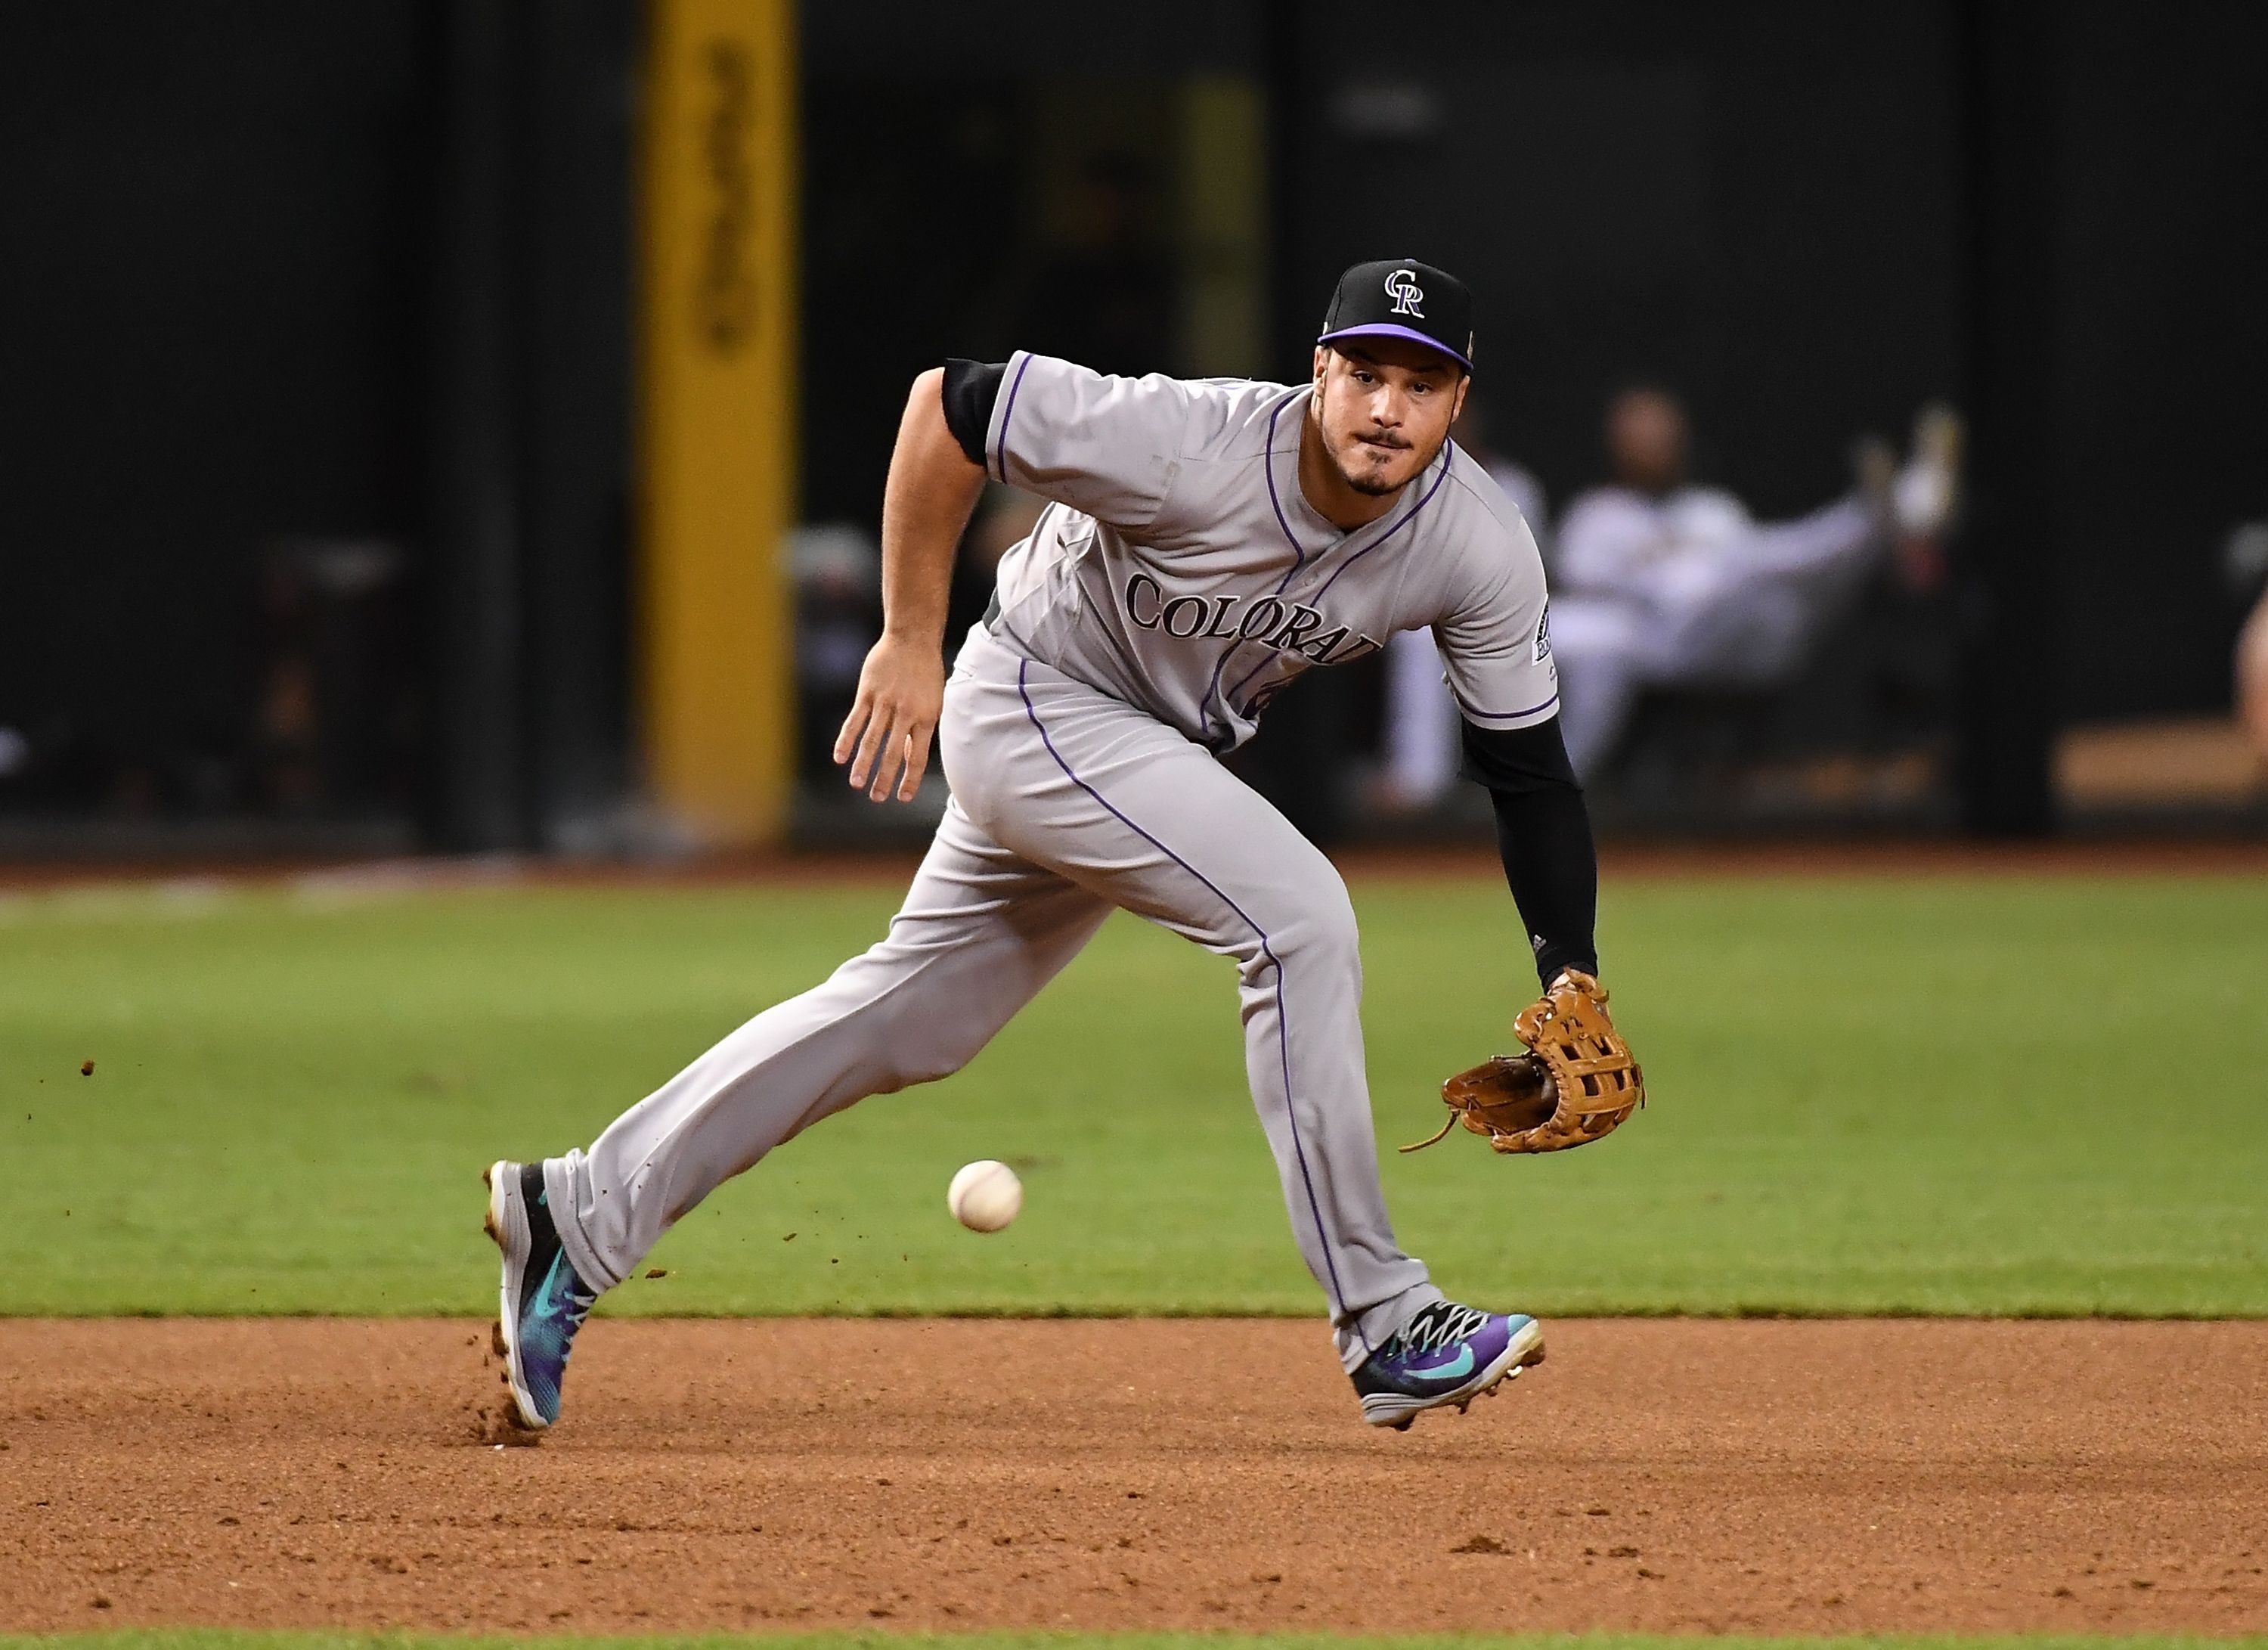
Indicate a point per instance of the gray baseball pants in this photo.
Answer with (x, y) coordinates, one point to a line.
(1065, 802)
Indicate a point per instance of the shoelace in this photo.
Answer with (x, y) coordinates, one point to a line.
(579, 1301)
(1440, 1325)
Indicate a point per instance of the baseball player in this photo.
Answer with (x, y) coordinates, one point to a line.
(1204, 544)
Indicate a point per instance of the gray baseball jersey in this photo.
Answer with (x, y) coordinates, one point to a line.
(1180, 569)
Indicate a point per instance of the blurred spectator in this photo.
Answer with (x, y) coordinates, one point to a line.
(1421, 719)
(838, 613)
(2248, 571)
(1659, 583)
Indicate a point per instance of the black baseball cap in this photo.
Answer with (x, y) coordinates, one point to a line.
(1400, 297)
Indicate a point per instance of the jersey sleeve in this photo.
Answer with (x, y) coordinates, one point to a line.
(1108, 447)
(1495, 641)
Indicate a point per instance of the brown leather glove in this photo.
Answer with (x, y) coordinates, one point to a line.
(1576, 1084)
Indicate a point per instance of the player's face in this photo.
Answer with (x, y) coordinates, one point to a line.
(1383, 406)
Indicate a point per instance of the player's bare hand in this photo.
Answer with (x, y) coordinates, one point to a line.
(886, 737)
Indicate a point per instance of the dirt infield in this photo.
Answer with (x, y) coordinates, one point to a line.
(1714, 1476)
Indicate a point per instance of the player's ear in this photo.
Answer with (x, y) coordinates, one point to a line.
(1457, 403)
(1323, 363)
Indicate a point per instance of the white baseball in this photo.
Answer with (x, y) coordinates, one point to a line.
(985, 1196)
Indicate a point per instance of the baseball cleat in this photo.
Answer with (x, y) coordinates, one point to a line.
(542, 1302)
(1447, 1354)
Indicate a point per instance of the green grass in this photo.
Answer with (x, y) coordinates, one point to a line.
(221, 1638)
(1870, 1096)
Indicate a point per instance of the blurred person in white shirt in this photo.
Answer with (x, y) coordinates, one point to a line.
(1660, 582)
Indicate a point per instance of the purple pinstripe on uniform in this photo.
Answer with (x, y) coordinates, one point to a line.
(1298, 560)
(1449, 456)
(1283, 1019)
(1448, 459)
(1008, 412)
(1298, 556)
(1275, 502)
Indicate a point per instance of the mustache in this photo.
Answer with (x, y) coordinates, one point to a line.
(1382, 438)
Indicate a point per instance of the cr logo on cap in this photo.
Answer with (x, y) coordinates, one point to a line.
(1403, 287)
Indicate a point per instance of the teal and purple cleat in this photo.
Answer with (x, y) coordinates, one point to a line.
(542, 1302)
(1447, 1354)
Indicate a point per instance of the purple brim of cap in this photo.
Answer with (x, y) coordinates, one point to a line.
(1388, 329)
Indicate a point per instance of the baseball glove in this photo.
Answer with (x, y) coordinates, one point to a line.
(1576, 1084)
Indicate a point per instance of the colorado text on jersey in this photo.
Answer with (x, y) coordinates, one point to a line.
(1286, 626)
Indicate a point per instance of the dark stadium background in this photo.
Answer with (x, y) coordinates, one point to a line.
(317, 322)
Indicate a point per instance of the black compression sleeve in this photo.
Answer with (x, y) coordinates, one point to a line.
(970, 389)
(1543, 834)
